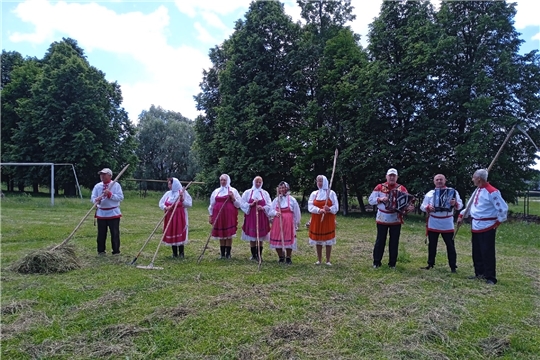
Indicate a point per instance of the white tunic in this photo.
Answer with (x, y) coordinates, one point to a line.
(440, 221)
(488, 209)
(109, 208)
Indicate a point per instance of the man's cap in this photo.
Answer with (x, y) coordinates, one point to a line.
(391, 171)
(105, 171)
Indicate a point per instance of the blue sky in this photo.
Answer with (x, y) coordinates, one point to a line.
(157, 50)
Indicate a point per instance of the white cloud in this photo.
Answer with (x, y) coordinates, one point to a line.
(172, 75)
(527, 14)
(221, 7)
(203, 35)
(366, 12)
(214, 21)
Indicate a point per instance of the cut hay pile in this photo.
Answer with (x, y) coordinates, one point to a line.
(48, 261)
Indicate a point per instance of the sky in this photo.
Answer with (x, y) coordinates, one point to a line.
(157, 50)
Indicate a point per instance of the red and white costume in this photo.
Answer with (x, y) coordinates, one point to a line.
(488, 209)
(177, 231)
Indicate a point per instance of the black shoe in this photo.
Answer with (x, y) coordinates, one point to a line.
(281, 260)
(181, 256)
(429, 267)
(102, 253)
(376, 266)
(288, 261)
(228, 256)
(453, 271)
(490, 282)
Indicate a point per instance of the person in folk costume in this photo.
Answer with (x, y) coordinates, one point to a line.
(226, 225)
(256, 201)
(440, 223)
(287, 207)
(488, 211)
(323, 233)
(387, 222)
(177, 231)
(108, 214)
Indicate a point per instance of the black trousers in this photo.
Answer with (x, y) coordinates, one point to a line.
(433, 237)
(380, 243)
(114, 226)
(483, 254)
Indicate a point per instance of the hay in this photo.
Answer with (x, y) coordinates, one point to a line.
(47, 261)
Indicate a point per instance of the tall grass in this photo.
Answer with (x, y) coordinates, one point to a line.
(228, 310)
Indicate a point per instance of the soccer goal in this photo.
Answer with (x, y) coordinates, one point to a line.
(52, 174)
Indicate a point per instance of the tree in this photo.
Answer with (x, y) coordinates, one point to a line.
(254, 114)
(485, 87)
(317, 134)
(73, 116)
(165, 140)
(18, 77)
(401, 78)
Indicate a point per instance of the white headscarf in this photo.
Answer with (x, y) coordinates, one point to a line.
(176, 187)
(321, 194)
(256, 192)
(224, 189)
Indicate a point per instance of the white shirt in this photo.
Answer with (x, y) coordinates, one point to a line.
(440, 221)
(488, 209)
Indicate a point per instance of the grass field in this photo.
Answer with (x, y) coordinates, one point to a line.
(226, 309)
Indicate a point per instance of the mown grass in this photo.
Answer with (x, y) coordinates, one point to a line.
(229, 310)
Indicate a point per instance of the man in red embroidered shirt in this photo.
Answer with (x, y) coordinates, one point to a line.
(488, 210)
(107, 199)
(387, 221)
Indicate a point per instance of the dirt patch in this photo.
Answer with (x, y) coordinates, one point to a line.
(176, 313)
(17, 306)
(290, 332)
(25, 321)
(495, 346)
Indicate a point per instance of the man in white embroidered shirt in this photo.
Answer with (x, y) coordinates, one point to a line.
(108, 214)
(488, 211)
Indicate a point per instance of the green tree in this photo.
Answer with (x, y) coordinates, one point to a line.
(317, 134)
(206, 146)
(255, 112)
(402, 42)
(165, 140)
(18, 77)
(485, 87)
(73, 116)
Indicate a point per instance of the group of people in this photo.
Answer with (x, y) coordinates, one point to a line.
(276, 221)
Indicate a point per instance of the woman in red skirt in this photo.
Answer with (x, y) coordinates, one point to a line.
(223, 210)
(323, 233)
(287, 215)
(177, 232)
(256, 201)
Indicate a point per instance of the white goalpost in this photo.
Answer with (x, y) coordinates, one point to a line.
(52, 174)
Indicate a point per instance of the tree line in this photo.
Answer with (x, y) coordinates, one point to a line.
(60, 109)
(435, 91)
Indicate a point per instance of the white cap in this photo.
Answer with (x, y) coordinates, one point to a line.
(391, 171)
(105, 171)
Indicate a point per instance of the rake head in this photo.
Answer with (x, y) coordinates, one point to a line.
(150, 267)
